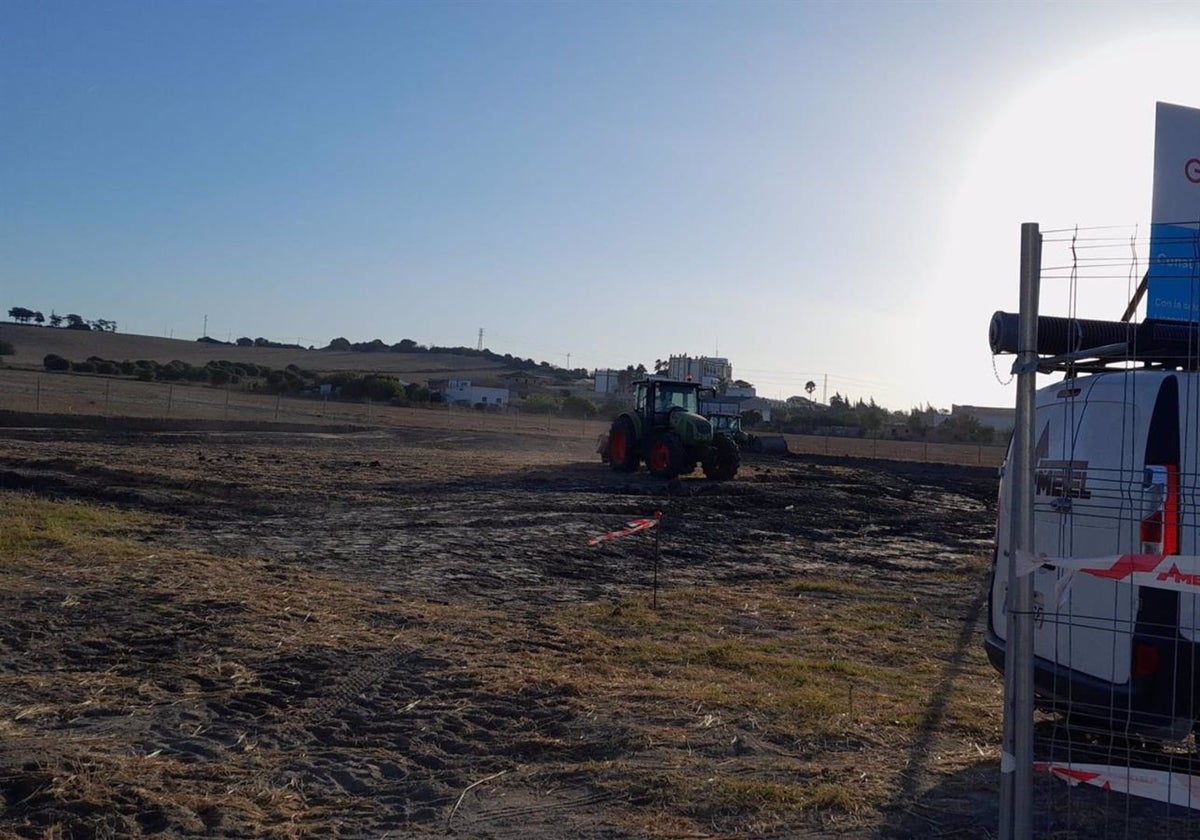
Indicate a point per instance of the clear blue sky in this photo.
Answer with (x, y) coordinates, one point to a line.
(811, 189)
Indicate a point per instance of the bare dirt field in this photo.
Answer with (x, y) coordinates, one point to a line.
(258, 631)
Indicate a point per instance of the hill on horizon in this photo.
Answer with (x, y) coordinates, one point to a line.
(33, 343)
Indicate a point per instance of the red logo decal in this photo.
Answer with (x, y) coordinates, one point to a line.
(1173, 574)
(1191, 170)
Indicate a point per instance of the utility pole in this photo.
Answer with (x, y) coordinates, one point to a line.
(206, 326)
(568, 361)
(825, 390)
(480, 347)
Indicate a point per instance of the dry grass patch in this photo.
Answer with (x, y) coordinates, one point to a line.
(742, 709)
(846, 687)
(29, 523)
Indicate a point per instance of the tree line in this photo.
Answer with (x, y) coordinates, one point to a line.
(867, 419)
(222, 373)
(21, 315)
(407, 345)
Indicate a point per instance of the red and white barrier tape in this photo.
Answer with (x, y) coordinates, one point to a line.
(631, 528)
(1179, 572)
(1159, 785)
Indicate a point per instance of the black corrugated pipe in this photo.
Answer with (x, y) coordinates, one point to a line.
(1175, 343)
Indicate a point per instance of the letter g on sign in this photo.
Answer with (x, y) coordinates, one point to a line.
(1191, 170)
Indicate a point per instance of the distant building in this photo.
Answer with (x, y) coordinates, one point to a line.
(740, 388)
(763, 407)
(608, 381)
(720, 405)
(1000, 419)
(524, 381)
(707, 370)
(726, 404)
(463, 392)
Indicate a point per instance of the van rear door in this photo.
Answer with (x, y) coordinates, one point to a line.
(1088, 500)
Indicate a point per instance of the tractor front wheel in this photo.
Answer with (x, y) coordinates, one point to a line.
(622, 448)
(664, 455)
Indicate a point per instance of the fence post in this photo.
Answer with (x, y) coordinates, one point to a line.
(225, 415)
(170, 395)
(1016, 752)
(277, 398)
(107, 388)
(37, 400)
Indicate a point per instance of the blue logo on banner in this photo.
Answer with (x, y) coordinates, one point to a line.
(1174, 287)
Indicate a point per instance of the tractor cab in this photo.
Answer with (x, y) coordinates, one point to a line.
(662, 396)
(729, 424)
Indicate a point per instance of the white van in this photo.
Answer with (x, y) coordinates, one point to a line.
(1117, 463)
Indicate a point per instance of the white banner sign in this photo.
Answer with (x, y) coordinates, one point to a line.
(1179, 572)
(1160, 785)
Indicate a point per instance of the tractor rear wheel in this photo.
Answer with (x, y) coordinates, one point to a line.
(664, 455)
(622, 448)
(722, 459)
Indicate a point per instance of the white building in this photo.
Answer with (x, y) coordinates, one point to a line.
(707, 370)
(1000, 419)
(607, 381)
(462, 392)
(740, 388)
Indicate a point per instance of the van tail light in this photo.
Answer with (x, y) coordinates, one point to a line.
(1158, 533)
(1159, 529)
(1145, 660)
(1152, 533)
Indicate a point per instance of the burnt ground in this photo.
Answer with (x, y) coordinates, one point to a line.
(396, 633)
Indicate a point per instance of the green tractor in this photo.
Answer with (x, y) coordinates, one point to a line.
(731, 425)
(666, 430)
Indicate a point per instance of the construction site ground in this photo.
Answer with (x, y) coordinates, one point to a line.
(268, 631)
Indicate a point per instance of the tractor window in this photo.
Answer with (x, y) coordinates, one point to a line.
(668, 399)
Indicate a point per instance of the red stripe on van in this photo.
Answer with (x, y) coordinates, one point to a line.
(1126, 565)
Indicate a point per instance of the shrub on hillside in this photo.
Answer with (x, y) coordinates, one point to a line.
(540, 404)
(372, 387)
(55, 362)
(573, 406)
(172, 371)
(6, 348)
(417, 393)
